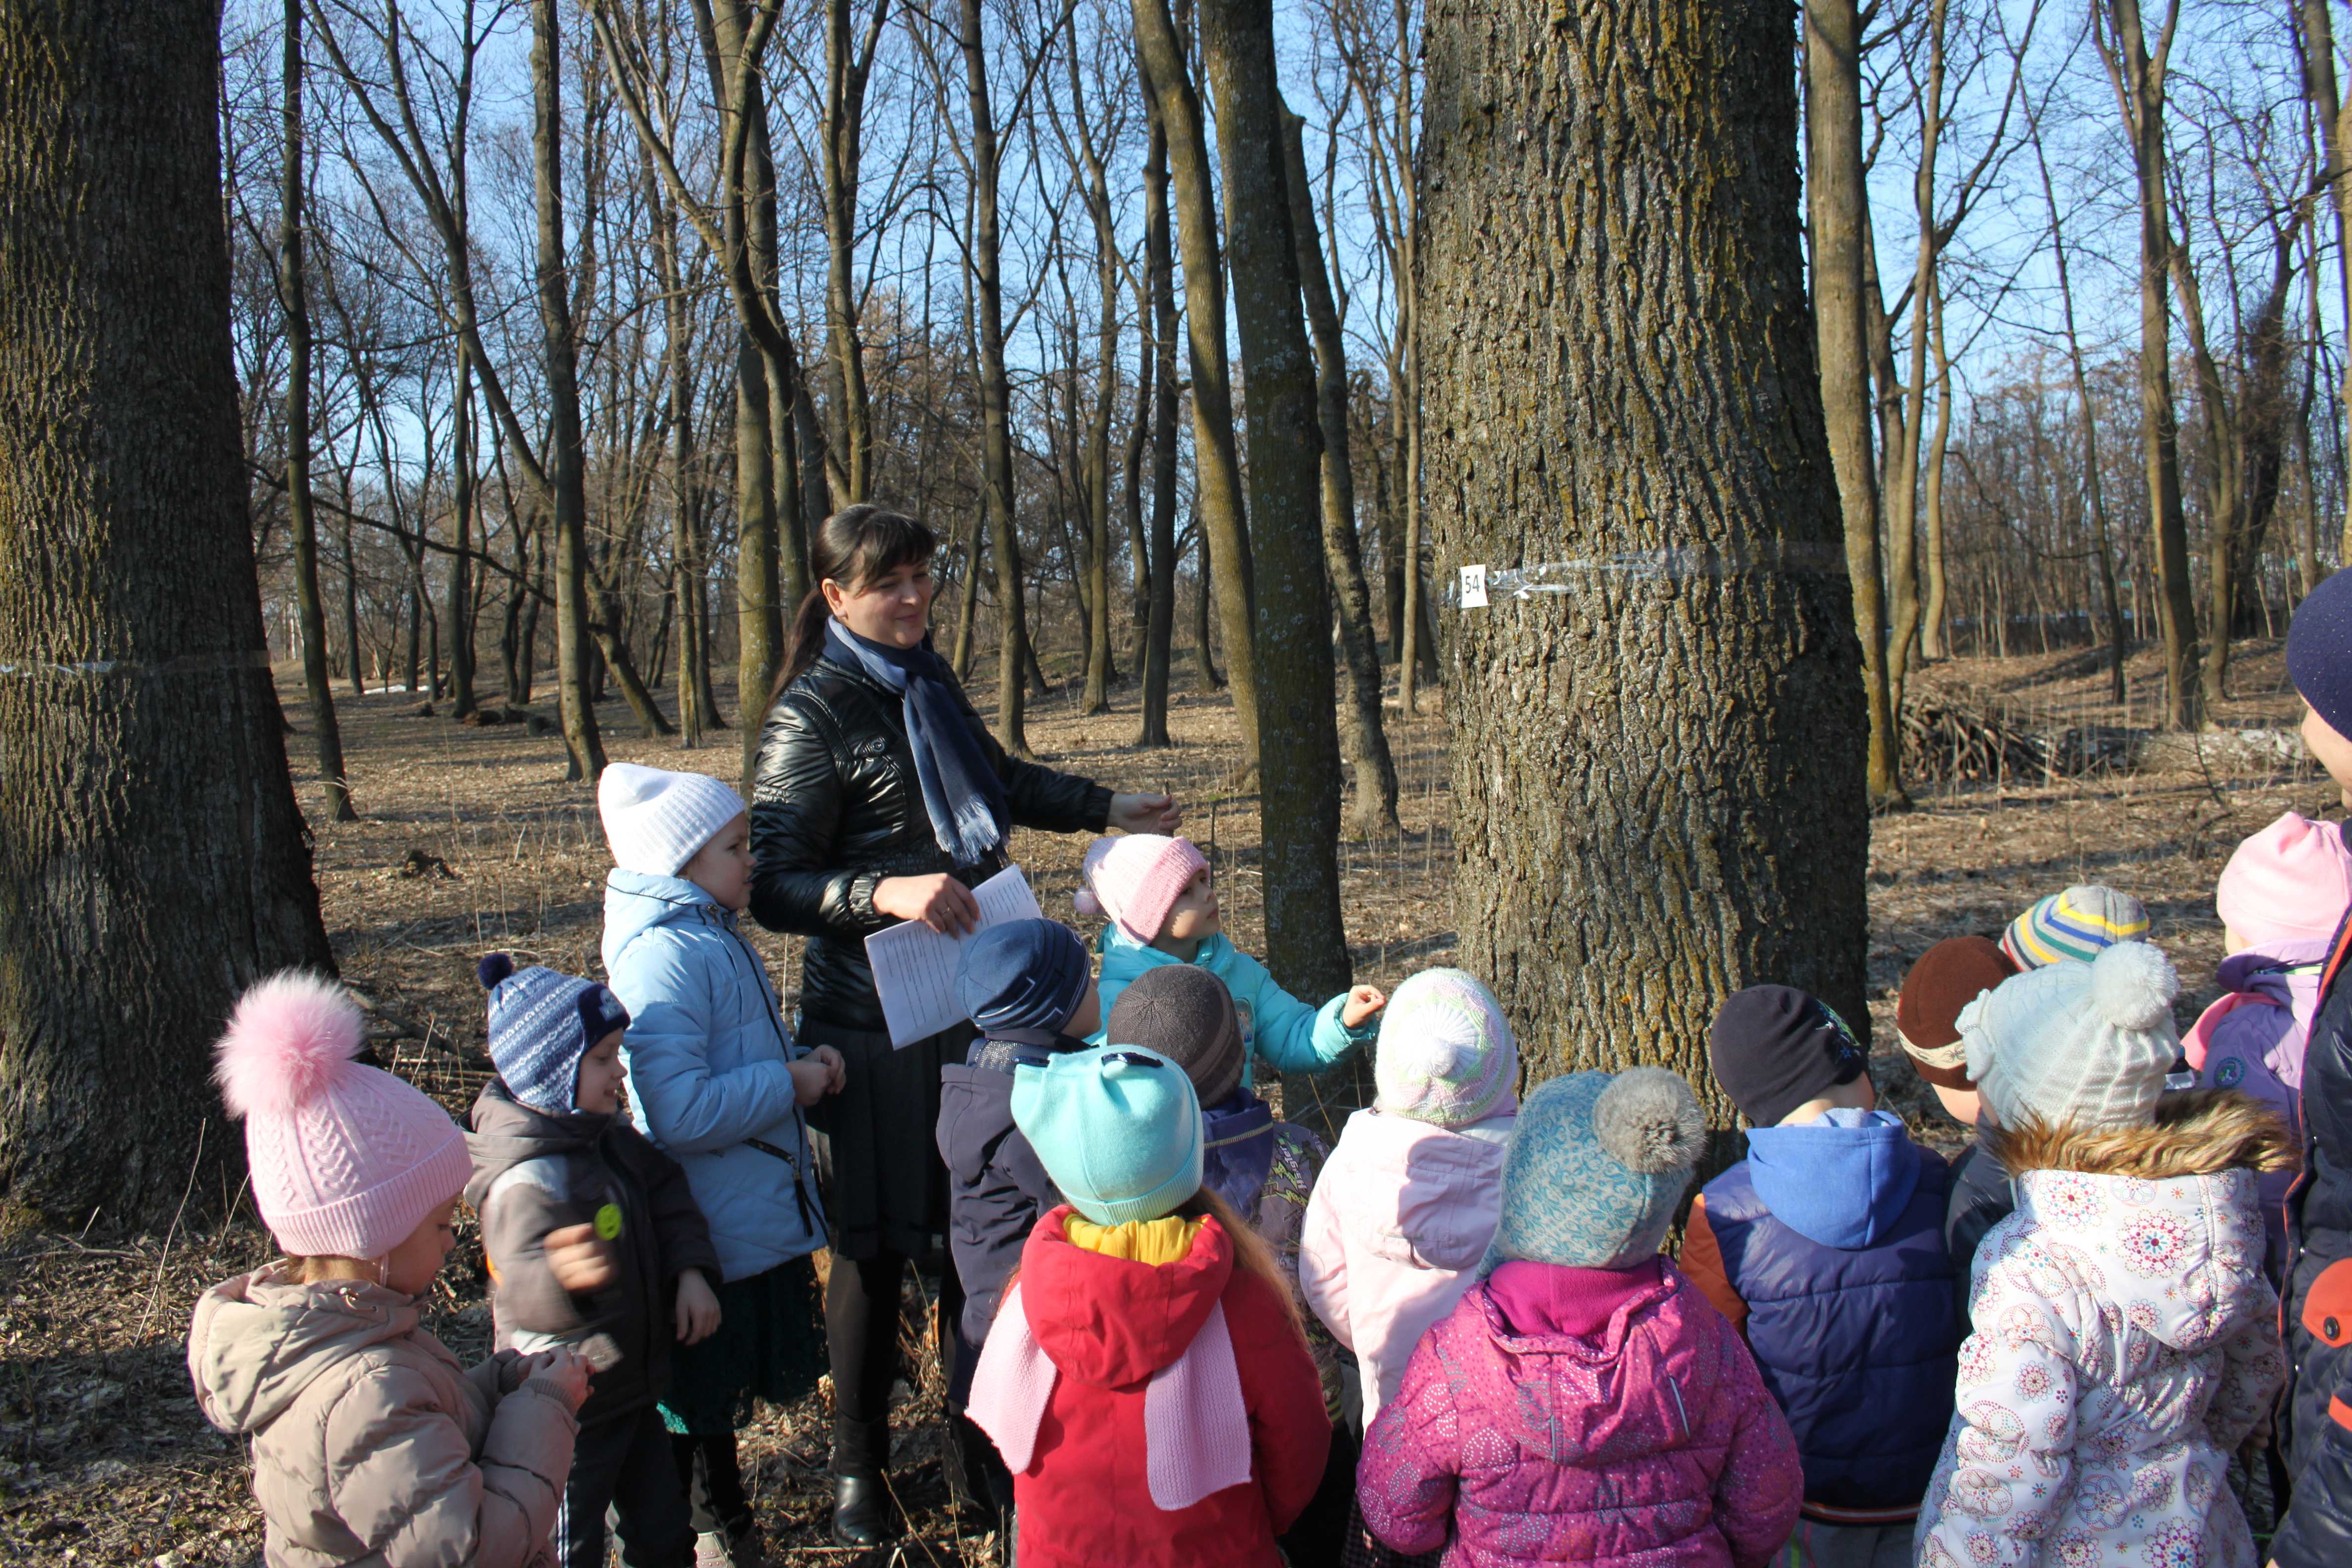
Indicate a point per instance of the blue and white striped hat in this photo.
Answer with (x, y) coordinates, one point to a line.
(542, 1024)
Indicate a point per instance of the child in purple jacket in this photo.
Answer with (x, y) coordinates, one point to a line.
(1583, 1402)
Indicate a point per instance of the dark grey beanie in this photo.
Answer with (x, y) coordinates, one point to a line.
(1185, 1014)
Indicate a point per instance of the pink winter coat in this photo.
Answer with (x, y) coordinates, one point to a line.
(1648, 1439)
(1401, 1216)
(371, 1445)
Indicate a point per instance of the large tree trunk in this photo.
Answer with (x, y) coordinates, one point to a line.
(1835, 200)
(1368, 742)
(1306, 940)
(1216, 457)
(309, 610)
(565, 471)
(1657, 775)
(995, 391)
(2138, 77)
(152, 860)
(1159, 280)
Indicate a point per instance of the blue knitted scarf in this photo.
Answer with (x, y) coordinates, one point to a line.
(962, 792)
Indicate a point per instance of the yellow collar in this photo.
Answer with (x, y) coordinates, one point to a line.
(1167, 1239)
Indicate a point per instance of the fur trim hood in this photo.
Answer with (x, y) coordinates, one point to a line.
(2203, 1132)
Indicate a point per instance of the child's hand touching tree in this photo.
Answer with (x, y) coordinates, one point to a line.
(1363, 1001)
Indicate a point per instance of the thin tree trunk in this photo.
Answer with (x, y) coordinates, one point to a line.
(1159, 280)
(460, 615)
(152, 857)
(2335, 130)
(295, 295)
(1367, 741)
(1932, 644)
(967, 610)
(351, 599)
(1835, 203)
(2138, 77)
(847, 61)
(995, 390)
(1210, 679)
(1747, 774)
(1216, 459)
(2118, 642)
(565, 472)
(1306, 938)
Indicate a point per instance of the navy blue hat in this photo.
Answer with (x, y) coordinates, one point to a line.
(2319, 650)
(1773, 1048)
(542, 1024)
(1022, 980)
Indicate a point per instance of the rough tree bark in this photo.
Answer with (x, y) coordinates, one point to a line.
(1658, 774)
(566, 474)
(2138, 74)
(1368, 742)
(318, 684)
(1835, 201)
(1216, 457)
(1298, 740)
(153, 859)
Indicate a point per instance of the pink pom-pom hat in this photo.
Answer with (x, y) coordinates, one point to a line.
(347, 1159)
(2289, 883)
(1136, 879)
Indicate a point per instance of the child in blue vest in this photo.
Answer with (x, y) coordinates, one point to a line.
(1826, 1244)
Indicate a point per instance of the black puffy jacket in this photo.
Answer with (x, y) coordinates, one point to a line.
(2318, 1307)
(836, 807)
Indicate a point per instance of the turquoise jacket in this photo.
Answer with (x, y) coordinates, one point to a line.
(1277, 1027)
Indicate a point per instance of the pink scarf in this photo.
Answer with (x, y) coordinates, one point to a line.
(1192, 1407)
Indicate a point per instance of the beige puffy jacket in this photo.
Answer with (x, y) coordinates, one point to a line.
(371, 1445)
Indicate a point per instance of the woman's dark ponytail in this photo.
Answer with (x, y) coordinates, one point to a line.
(853, 547)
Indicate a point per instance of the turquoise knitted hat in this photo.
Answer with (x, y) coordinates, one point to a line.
(1118, 1128)
(1597, 1164)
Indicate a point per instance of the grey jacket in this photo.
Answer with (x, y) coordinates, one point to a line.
(371, 1445)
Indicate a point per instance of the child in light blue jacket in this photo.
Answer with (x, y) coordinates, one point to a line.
(1163, 907)
(716, 1081)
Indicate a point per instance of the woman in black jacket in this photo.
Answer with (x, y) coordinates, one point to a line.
(881, 797)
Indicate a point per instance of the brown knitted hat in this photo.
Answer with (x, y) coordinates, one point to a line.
(1186, 1015)
(1947, 977)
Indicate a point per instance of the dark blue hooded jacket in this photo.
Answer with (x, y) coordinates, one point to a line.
(1830, 1236)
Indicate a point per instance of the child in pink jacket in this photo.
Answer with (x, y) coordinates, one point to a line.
(371, 1443)
(2280, 899)
(1406, 1204)
(1583, 1402)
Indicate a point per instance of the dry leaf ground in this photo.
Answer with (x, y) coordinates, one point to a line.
(471, 839)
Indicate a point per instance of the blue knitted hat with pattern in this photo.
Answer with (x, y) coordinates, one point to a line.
(542, 1024)
(1597, 1164)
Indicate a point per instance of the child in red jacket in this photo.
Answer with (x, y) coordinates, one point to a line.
(1146, 1379)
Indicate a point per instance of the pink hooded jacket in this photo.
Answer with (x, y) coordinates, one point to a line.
(1650, 1442)
(1401, 1216)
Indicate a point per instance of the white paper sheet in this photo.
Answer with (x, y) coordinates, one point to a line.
(915, 966)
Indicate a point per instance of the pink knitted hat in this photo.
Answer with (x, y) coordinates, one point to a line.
(2290, 882)
(1446, 1054)
(1136, 879)
(347, 1159)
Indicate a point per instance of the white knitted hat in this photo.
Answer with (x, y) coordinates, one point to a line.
(656, 820)
(2072, 1043)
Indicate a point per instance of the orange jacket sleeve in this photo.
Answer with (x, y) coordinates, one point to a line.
(1702, 1260)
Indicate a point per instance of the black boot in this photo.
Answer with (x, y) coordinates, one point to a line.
(863, 1513)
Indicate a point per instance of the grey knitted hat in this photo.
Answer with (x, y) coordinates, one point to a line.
(2076, 1044)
